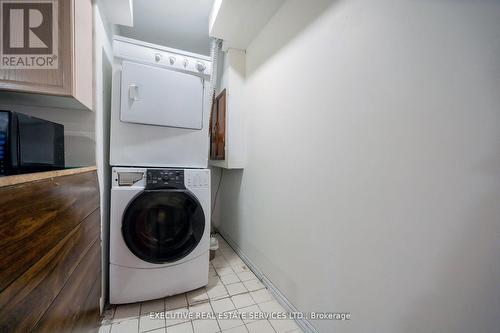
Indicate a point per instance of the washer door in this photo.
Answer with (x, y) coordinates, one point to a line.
(163, 226)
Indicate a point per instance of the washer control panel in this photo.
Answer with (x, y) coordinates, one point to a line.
(164, 178)
(198, 179)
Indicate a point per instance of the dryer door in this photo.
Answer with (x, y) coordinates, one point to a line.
(163, 97)
(163, 226)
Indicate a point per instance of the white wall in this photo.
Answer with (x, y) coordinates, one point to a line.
(103, 60)
(181, 24)
(372, 181)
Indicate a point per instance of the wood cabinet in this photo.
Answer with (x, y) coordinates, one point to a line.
(69, 85)
(218, 128)
(227, 130)
(50, 252)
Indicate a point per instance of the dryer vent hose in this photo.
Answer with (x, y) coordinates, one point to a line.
(214, 54)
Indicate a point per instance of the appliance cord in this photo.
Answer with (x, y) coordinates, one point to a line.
(217, 193)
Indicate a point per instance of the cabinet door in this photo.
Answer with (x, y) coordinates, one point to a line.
(218, 128)
(157, 96)
(47, 81)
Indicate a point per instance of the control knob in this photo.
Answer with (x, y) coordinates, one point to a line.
(200, 66)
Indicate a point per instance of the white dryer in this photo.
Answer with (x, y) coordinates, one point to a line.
(160, 232)
(160, 106)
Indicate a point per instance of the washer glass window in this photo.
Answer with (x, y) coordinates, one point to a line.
(163, 226)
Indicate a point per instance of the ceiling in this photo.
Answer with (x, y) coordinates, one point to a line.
(181, 24)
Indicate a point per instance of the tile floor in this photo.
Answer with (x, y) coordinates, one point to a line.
(232, 291)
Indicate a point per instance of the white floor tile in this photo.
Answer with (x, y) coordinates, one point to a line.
(260, 326)
(217, 292)
(261, 296)
(240, 268)
(219, 262)
(181, 328)
(155, 305)
(126, 326)
(236, 288)
(222, 241)
(104, 329)
(249, 313)
(175, 302)
(246, 276)
(229, 278)
(222, 305)
(214, 281)
(272, 306)
(160, 330)
(147, 323)
(228, 252)
(224, 270)
(239, 329)
(230, 321)
(177, 316)
(126, 311)
(253, 285)
(200, 308)
(205, 326)
(223, 245)
(284, 326)
(235, 261)
(211, 271)
(196, 296)
(243, 300)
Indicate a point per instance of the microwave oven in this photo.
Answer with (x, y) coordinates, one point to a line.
(29, 144)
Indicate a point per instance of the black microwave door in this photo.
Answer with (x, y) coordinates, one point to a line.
(5, 122)
(41, 144)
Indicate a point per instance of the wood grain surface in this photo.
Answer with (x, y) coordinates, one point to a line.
(34, 217)
(50, 255)
(218, 128)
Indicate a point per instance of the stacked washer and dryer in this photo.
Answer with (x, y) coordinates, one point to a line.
(160, 195)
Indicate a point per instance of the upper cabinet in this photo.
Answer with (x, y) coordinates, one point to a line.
(227, 119)
(47, 54)
(237, 22)
(218, 128)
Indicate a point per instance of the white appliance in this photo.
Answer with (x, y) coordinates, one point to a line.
(159, 232)
(160, 106)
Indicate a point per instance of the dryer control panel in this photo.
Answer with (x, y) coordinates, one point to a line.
(164, 178)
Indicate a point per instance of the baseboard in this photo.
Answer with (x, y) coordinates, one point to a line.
(304, 324)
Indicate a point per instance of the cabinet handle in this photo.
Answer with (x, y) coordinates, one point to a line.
(133, 92)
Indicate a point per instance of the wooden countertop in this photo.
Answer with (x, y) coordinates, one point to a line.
(33, 177)
(50, 252)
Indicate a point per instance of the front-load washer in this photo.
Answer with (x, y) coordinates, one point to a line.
(160, 106)
(159, 232)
